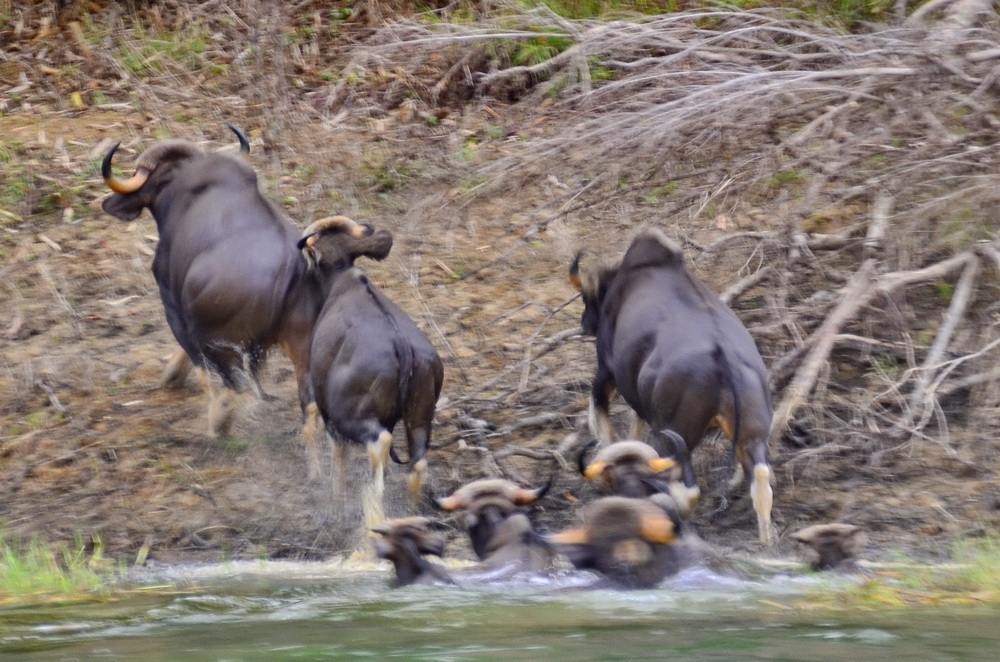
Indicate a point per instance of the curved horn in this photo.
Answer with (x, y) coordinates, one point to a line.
(661, 464)
(574, 272)
(337, 224)
(580, 461)
(244, 143)
(524, 497)
(656, 529)
(130, 185)
(448, 504)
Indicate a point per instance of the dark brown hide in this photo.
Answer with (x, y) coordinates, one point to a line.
(499, 529)
(404, 542)
(229, 274)
(370, 365)
(832, 546)
(628, 468)
(680, 358)
(631, 542)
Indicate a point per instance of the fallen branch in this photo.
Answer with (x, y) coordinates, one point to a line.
(739, 287)
(956, 310)
(857, 293)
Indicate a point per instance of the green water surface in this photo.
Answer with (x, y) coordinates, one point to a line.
(314, 614)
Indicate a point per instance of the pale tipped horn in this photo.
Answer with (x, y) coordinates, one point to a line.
(130, 185)
(337, 224)
(661, 464)
(525, 497)
(656, 529)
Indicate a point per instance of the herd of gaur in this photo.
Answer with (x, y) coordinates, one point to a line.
(237, 278)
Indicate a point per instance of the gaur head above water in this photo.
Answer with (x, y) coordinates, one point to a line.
(159, 170)
(631, 542)
(831, 546)
(494, 513)
(627, 468)
(334, 243)
(404, 542)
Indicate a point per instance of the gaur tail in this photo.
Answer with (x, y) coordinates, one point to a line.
(719, 354)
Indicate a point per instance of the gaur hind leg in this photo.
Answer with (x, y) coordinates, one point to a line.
(176, 371)
(418, 440)
(598, 418)
(377, 441)
(761, 494)
(296, 346)
(340, 457)
(311, 431)
(221, 408)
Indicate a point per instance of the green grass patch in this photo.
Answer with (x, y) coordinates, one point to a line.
(37, 572)
(148, 54)
(599, 8)
(536, 51)
(972, 577)
(784, 178)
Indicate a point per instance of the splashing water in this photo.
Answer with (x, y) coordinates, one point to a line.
(343, 609)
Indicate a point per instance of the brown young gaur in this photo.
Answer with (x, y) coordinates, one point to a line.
(404, 542)
(832, 546)
(681, 359)
(634, 543)
(226, 266)
(627, 468)
(501, 534)
(370, 366)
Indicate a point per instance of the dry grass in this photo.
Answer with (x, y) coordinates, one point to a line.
(787, 154)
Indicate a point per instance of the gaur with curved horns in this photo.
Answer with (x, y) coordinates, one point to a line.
(627, 468)
(501, 534)
(404, 542)
(226, 265)
(681, 359)
(632, 542)
(370, 366)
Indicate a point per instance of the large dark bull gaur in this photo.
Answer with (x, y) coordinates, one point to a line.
(500, 532)
(370, 366)
(681, 359)
(226, 266)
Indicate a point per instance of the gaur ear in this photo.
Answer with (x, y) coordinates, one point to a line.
(301, 243)
(123, 207)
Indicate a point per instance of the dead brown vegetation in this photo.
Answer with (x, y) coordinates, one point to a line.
(839, 189)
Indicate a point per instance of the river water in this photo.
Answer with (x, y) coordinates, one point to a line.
(297, 611)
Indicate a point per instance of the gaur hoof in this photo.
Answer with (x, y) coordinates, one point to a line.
(176, 371)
